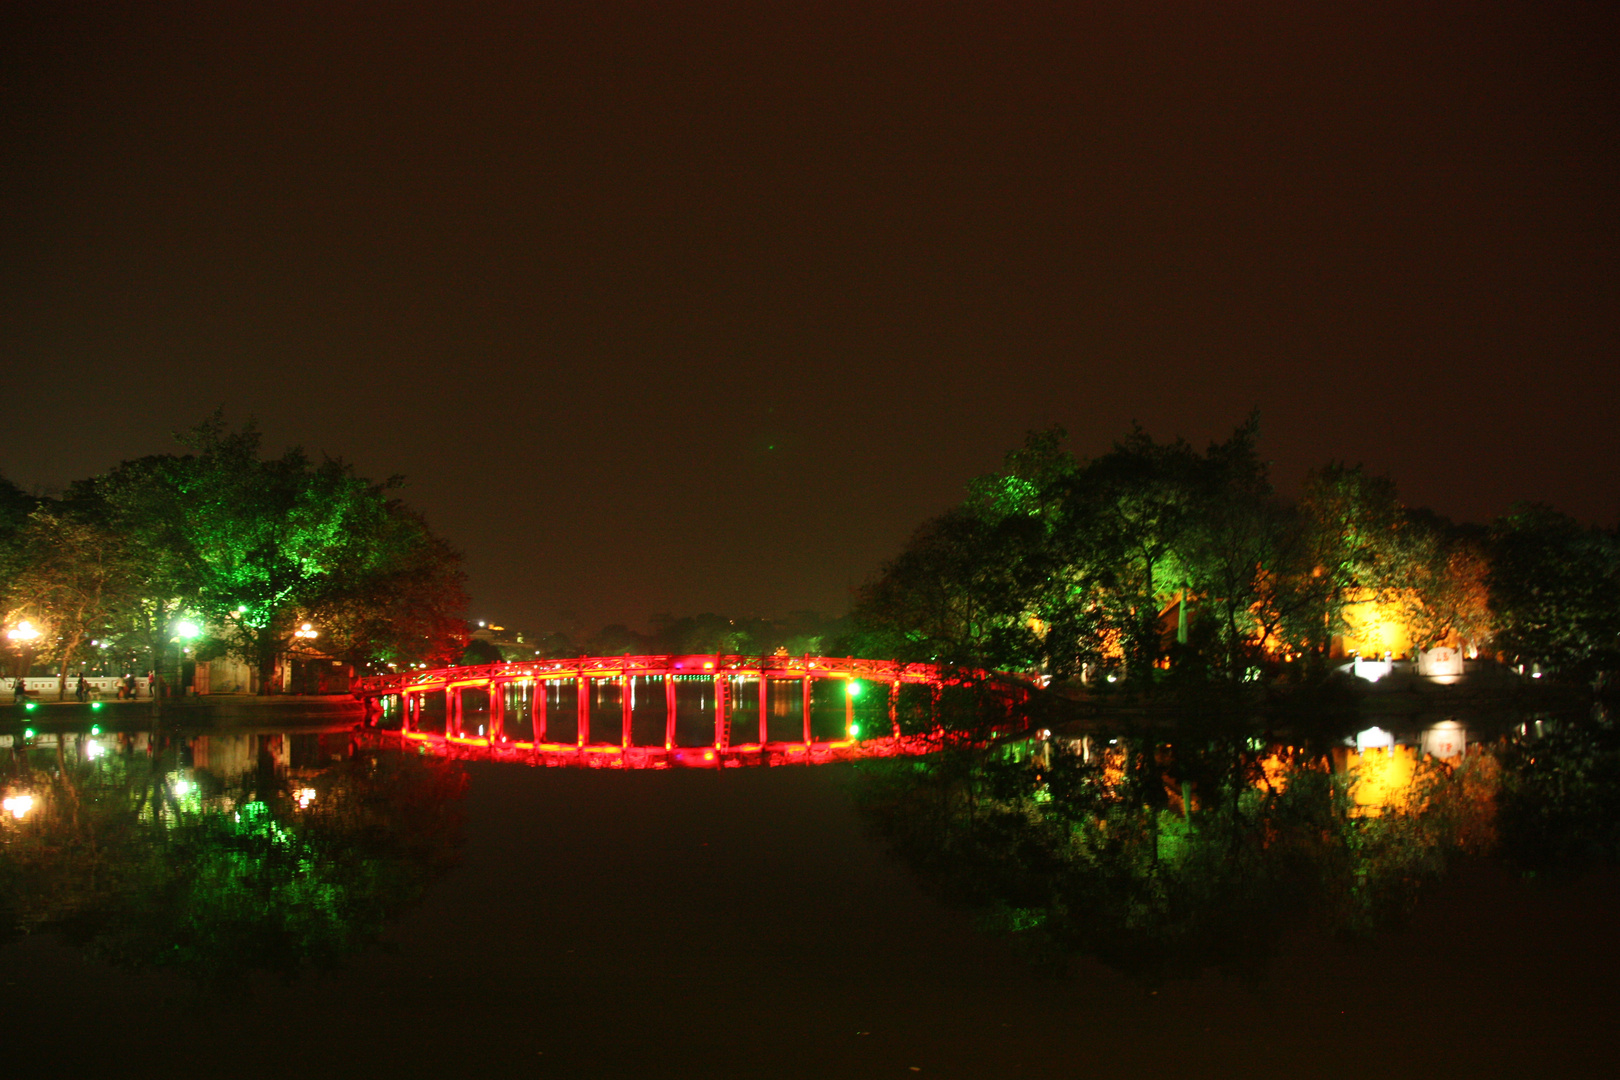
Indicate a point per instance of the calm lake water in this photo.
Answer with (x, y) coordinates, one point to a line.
(739, 923)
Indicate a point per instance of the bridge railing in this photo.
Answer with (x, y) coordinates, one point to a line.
(695, 664)
(586, 707)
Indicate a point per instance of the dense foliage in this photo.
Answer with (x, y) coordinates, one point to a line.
(245, 547)
(1155, 555)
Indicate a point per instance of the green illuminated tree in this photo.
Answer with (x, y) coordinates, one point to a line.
(1130, 512)
(960, 593)
(282, 541)
(142, 503)
(256, 547)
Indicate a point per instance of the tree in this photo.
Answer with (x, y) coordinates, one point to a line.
(15, 507)
(142, 502)
(1125, 523)
(1555, 589)
(960, 593)
(289, 540)
(78, 579)
(1443, 571)
(257, 547)
(401, 607)
(1353, 522)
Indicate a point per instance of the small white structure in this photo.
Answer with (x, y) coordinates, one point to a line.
(1444, 664)
(1447, 739)
(1374, 737)
(1371, 670)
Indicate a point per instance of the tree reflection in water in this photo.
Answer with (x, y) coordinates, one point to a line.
(128, 851)
(1165, 862)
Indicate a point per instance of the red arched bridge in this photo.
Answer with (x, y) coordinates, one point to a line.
(656, 711)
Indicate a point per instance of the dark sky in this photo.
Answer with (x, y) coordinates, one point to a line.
(665, 308)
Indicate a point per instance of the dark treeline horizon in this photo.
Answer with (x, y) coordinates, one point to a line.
(1130, 529)
(1346, 529)
(1071, 565)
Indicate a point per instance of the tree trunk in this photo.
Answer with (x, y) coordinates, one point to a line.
(267, 643)
(68, 652)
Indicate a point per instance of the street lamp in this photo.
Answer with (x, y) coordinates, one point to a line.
(184, 631)
(23, 636)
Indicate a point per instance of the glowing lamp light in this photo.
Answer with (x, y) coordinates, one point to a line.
(95, 706)
(185, 628)
(17, 805)
(182, 787)
(853, 688)
(95, 729)
(305, 796)
(23, 631)
(307, 632)
(93, 750)
(854, 731)
(31, 706)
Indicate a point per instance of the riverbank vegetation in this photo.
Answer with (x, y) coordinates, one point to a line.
(239, 549)
(1157, 562)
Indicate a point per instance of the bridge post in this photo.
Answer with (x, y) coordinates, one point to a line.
(764, 705)
(894, 707)
(722, 713)
(582, 701)
(807, 706)
(625, 686)
(540, 688)
(669, 713)
(849, 707)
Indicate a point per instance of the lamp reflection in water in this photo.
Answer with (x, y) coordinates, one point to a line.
(219, 871)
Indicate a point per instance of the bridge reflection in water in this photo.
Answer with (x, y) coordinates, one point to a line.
(658, 711)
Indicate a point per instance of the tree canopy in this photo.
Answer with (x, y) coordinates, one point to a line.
(1155, 554)
(249, 547)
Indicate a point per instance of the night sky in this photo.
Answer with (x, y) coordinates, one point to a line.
(706, 307)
